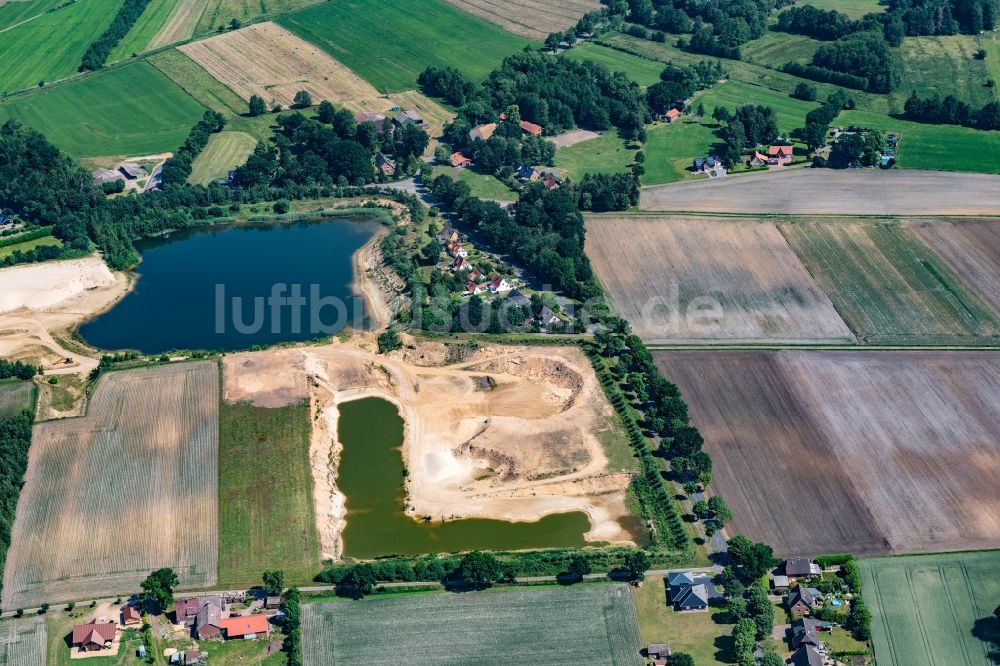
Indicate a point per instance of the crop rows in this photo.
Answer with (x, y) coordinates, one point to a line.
(546, 627)
(137, 490)
(531, 18)
(22, 641)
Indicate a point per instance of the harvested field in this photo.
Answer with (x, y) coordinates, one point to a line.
(709, 279)
(180, 23)
(268, 61)
(933, 610)
(888, 286)
(15, 396)
(225, 151)
(533, 19)
(22, 641)
(139, 471)
(573, 137)
(970, 248)
(793, 435)
(829, 192)
(592, 624)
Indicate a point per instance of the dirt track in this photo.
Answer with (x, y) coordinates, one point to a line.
(830, 192)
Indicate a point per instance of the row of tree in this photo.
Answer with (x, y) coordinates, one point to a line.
(97, 53)
(177, 169)
(677, 84)
(15, 439)
(951, 111)
(819, 119)
(18, 369)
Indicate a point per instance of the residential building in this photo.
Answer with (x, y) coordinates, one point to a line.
(801, 567)
(779, 582)
(131, 616)
(376, 119)
(802, 599)
(690, 592)
(460, 161)
(385, 165)
(807, 656)
(498, 285)
(460, 264)
(447, 235)
(547, 318)
(806, 632)
(206, 623)
(245, 626)
(527, 174)
(518, 299)
(404, 118)
(471, 289)
(94, 636)
(706, 163)
(101, 176)
(779, 155)
(483, 132)
(658, 651)
(759, 159)
(456, 250)
(531, 128)
(671, 115)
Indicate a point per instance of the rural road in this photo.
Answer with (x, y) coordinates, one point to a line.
(331, 588)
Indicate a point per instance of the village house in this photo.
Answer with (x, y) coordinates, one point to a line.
(456, 250)
(376, 119)
(671, 115)
(472, 289)
(807, 656)
(706, 163)
(94, 636)
(459, 161)
(247, 627)
(779, 155)
(206, 623)
(689, 592)
(779, 582)
(658, 651)
(404, 118)
(447, 235)
(806, 632)
(460, 264)
(385, 165)
(186, 610)
(475, 275)
(801, 567)
(531, 128)
(498, 285)
(517, 299)
(483, 132)
(759, 159)
(131, 617)
(527, 174)
(547, 318)
(802, 599)
(550, 182)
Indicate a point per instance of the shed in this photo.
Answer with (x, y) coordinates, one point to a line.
(658, 650)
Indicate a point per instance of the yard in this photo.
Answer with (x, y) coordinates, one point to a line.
(934, 609)
(483, 186)
(671, 148)
(702, 635)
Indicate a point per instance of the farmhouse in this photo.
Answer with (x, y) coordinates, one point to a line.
(132, 171)
(779, 155)
(483, 132)
(206, 622)
(94, 636)
(186, 610)
(101, 176)
(802, 599)
(376, 119)
(245, 626)
(131, 616)
(801, 567)
(531, 128)
(459, 161)
(689, 592)
(404, 118)
(671, 115)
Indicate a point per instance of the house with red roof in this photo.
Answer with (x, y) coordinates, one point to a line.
(759, 159)
(461, 264)
(131, 616)
(245, 626)
(459, 161)
(779, 155)
(94, 637)
(498, 285)
(472, 288)
(531, 128)
(671, 115)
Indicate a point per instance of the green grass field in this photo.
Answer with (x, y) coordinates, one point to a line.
(15, 396)
(930, 610)
(130, 110)
(390, 47)
(946, 66)
(641, 70)
(853, 8)
(225, 151)
(774, 49)
(150, 21)
(12, 13)
(51, 46)
(265, 494)
(888, 286)
(991, 43)
(29, 245)
(943, 147)
(698, 634)
(483, 186)
(543, 626)
(671, 149)
(605, 154)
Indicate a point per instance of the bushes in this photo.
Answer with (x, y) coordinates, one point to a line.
(293, 631)
(18, 369)
(99, 50)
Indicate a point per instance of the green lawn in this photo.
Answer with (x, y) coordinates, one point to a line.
(150, 21)
(15, 395)
(131, 110)
(605, 154)
(853, 8)
(670, 149)
(29, 245)
(774, 49)
(698, 634)
(483, 185)
(265, 494)
(943, 147)
(390, 46)
(790, 112)
(643, 71)
(933, 609)
(51, 46)
(225, 151)
(15, 12)
(946, 66)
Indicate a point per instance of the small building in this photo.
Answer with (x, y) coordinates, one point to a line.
(475, 275)
(706, 163)
(759, 159)
(472, 288)
(460, 264)
(404, 118)
(807, 656)
(459, 161)
(385, 165)
(801, 567)
(131, 616)
(483, 132)
(456, 250)
(528, 174)
(447, 235)
(547, 318)
(658, 651)
(517, 299)
(779, 582)
(806, 632)
(498, 285)
(550, 182)
(94, 637)
(192, 657)
(272, 602)
(245, 626)
(132, 171)
(376, 119)
(802, 599)
(101, 176)
(690, 592)
(779, 155)
(671, 115)
(185, 610)
(531, 128)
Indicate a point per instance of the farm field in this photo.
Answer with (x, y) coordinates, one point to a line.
(593, 624)
(888, 286)
(12, 13)
(483, 186)
(853, 8)
(671, 148)
(143, 460)
(415, 35)
(970, 248)
(219, 13)
(15, 396)
(744, 267)
(533, 19)
(130, 110)
(180, 23)
(774, 49)
(642, 71)
(268, 61)
(848, 192)
(150, 23)
(930, 610)
(225, 151)
(698, 634)
(945, 65)
(66, 33)
(265, 484)
(793, 435)
(22, 641)
(608, 153)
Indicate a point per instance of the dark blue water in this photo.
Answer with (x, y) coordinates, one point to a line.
(226, 288)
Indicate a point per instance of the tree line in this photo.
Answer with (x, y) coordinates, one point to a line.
(818, 120)
(97, 53)
(861, 60)
(18, 369)
(15, 439)
(951, 111)
(677, 84)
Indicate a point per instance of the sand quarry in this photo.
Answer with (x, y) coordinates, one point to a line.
(499, 432)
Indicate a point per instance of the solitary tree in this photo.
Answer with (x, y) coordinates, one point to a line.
(359, 581)
(274, 582)
(159, 587)
(681, 659)
(579, 566)
(302, 100)
(720, 510)
(479, 570)
(553, 40)
(636, 563)
(257, 106)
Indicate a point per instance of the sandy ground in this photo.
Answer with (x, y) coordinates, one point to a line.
(507, 433)
(827, 191)
(567, 139)
(54, 296)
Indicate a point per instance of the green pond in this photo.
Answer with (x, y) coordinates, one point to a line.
(371, 477)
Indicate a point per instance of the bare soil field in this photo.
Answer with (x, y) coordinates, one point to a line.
(704, 279)
(180, 24)
(269, 61)
(863, 452)
(971, 248)
(830, 192)
(511, 433)
(22, 641)
(567, 139)
(533, 19)
(137, 490)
